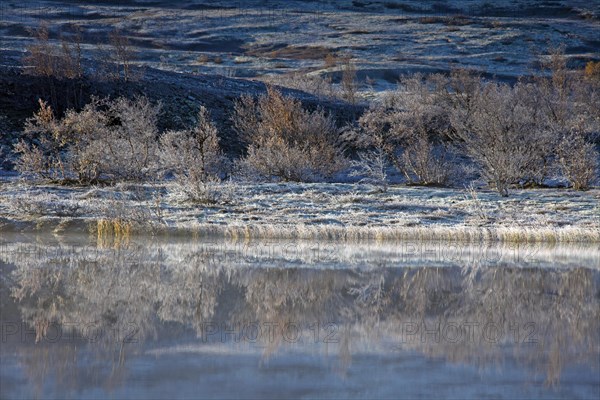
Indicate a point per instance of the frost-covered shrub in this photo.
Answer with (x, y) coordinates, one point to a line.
(320, 86)
(195, 159)
(193, 154)
(516, 134)
(578, 161)
(592, 70)
(349, 84)
(210, 191)
(128, 149)
(498, 131)
(422, 164)
(106, 140)
(49, 59)
(371, 166)
(44, 158)
(409, 126)
(285, 141)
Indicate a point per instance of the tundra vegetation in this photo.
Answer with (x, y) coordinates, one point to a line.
(517, 135)
(286, 141)
(428, 129)
(444, 130)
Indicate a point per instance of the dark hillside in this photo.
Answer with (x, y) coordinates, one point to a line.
(180, 94)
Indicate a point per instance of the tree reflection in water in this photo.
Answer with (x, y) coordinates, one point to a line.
(116, 302)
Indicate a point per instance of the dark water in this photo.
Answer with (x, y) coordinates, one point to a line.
(86, 318)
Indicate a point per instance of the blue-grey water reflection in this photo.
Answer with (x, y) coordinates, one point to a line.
(190, 318)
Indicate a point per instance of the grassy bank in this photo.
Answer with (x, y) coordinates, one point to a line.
(344, 212)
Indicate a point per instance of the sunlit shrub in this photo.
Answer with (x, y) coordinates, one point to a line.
(106, 140)
(285, 141)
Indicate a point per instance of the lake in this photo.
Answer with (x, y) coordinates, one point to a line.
(87, 317)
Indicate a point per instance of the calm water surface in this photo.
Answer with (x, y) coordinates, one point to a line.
(92, 318)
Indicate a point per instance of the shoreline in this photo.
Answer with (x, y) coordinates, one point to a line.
(346, 234)
(325, 211)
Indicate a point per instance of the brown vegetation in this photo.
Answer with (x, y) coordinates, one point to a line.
(108, 140)
(285, 141)
(406, 126)
(195, 158)
(517, 135)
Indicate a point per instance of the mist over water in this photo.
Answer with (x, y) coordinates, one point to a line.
(190, 318)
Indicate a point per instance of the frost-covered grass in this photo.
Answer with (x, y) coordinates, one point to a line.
(346, 212)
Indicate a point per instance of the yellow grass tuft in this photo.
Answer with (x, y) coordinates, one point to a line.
(113, 232)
